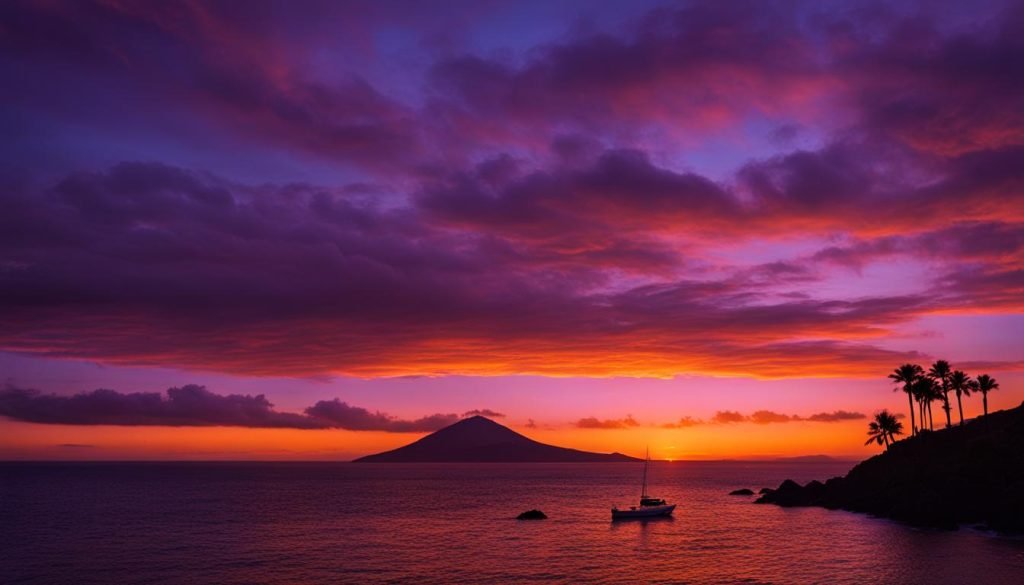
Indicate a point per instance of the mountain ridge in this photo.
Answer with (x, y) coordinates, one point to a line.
(478, 439)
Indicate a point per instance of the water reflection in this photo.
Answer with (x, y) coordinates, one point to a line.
(287, 523)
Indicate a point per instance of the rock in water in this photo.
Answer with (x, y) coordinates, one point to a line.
(789, 493)
(742, 492)
(532, 515)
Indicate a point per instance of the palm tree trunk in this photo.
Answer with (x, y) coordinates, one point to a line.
(946, 407)
(960, 407)
(984, 402)
(931, 418)
(913, 427)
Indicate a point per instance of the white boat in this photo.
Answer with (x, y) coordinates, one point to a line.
(650, 507)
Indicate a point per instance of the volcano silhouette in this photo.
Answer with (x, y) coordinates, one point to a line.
(480, 439)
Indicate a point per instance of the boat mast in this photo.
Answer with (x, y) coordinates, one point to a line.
(647, 459)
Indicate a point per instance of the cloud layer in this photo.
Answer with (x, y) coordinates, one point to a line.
(595, 423)
(485, 412)
(195, 406)
(753, 189)
(725, 417)
(764, 417)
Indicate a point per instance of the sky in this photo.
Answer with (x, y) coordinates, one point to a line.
(270, 230)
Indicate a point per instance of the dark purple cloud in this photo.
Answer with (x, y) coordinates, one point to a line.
(222, 64)
(195, 406)
(232, 273)
(564, 208)
(943, 92)
(621, 188)
(186, 406)
(341, 415)
(692, 65)
(970, 242)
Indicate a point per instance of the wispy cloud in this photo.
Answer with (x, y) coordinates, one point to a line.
(483, 412)
(836, 416)
(684, 422)
(764, 417)
(728, 416)
(618, 423)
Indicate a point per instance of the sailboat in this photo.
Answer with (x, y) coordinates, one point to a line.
(650, 507)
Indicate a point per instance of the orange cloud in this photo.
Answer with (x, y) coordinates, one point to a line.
(594, 423)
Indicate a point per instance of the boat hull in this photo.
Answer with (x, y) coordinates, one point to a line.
(643, 512)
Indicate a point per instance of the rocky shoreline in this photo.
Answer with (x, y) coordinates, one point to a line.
(965, 475)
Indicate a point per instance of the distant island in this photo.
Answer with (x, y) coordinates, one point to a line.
(968, 474)
(480, 440)
(807, 459)
(791, 459)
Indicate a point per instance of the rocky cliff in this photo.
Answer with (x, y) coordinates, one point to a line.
(970, 474)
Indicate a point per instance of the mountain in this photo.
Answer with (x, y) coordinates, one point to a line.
(961, 475)
(479, 439)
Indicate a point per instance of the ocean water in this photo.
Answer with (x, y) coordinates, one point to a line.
(226, 523)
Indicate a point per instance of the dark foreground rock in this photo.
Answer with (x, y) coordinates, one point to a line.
(963, 475)
(766, 491)
(532, 515)
(742, 492)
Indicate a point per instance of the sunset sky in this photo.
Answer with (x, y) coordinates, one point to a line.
(710, 228)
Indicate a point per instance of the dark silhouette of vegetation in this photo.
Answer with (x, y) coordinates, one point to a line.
(940, 372)
(884, 429)
(907, 374)
(925, 388)
(960, 383)
(964, 475)
(985, 384)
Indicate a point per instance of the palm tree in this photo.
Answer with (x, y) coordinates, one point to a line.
(940, 372)
(884, 428)
(960, 383)
(985, 384)
(907, 374)
(927, 390)
(937, 396)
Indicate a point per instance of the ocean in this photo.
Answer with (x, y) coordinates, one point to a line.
(278, 523)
